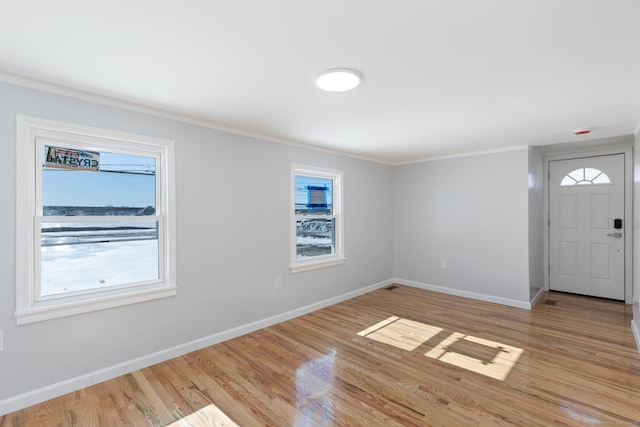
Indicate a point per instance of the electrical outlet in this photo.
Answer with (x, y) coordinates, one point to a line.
(278, 282)
(443, 263)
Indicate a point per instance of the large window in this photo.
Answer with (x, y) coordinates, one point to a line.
(317, 218)
(94, 219)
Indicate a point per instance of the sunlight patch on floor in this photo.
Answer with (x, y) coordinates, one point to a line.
(208, 416)
(402, 333)
(482, 356)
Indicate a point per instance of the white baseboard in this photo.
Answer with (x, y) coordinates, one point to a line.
(33, 397)
(467, 294)
(636, 332)
(536, 297)
(635, 324)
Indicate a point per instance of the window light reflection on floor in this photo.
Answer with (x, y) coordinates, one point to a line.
(314, 398)
(482, 356)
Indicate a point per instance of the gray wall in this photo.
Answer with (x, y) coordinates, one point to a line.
(536, 221)
(470, 211)
(481, 213)
(232, 195)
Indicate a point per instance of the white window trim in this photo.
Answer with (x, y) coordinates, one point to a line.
(338, 212)
(28, 308)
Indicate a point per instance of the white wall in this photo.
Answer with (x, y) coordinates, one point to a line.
(481, 213)
(536, 222)
(232, 197)
(472, 212)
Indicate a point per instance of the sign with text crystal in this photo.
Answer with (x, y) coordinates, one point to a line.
(69, 158)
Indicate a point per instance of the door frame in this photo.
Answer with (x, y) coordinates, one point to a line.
(627, 151)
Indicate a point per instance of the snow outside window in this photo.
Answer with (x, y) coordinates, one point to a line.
(316, 218)
(94, 222)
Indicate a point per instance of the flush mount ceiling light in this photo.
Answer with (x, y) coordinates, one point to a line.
(338, 80)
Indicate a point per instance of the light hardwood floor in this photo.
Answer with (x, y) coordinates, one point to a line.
(402, 357)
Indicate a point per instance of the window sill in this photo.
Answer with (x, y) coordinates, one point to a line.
(37, 314)
(312, 265)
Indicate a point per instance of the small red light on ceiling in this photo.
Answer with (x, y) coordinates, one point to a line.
(582, 131)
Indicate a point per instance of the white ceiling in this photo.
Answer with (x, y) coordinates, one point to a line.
(440, 76)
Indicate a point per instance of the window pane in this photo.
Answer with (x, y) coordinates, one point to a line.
(577, 174)
(313, 196)
(78, 256)
(590, 173)
(125, 185)
(315, 237)
(602, 179)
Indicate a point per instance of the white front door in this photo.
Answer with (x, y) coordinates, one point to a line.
(586, 226)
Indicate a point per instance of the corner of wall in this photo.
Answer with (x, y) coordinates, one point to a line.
(635, 322)
(536, 223)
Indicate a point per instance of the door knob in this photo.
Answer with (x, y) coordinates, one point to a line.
(616, 235)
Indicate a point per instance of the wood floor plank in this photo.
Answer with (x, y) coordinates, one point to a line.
(402, 357)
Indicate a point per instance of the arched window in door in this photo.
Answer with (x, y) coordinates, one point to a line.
(585, 176)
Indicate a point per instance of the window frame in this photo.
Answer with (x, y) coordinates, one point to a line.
(31, 134)
(319, 261)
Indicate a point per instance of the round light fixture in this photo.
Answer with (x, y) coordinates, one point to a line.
(338, 80)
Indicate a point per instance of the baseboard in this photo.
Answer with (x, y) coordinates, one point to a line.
(33, 397)
(536, 297)
(636, 333)
(467, 294)
(635, 324)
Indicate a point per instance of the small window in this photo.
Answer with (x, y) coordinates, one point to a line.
(316, 219)
(94, 219)
(585, 176)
